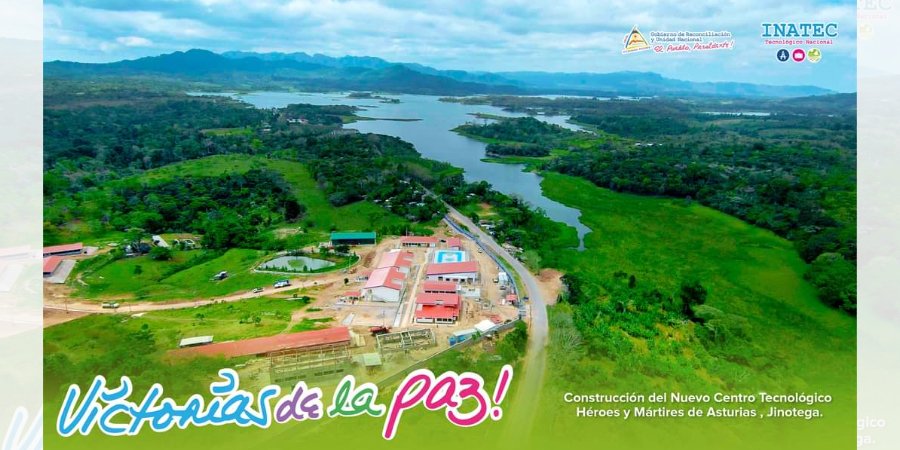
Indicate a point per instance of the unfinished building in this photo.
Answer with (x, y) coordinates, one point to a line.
(404, 341)
(290, 366)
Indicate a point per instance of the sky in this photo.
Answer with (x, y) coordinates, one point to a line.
(487, 35)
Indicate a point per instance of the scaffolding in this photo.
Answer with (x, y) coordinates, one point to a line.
(405, 341)
(288, 366)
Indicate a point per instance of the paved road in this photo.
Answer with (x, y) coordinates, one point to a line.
(524, 405)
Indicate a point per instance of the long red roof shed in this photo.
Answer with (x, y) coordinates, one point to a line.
(51, 263)
(270, 344)
(456, 267)
(418, 240)
(64, 248)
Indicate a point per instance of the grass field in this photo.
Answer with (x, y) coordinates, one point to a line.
(310, 324)
(187, 276)
(92, 335)
(793, 342)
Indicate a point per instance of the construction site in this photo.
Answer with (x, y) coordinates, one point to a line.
(408, 299)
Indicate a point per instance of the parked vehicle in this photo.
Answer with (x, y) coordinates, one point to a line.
(462, 335)
(282, 283)
(257, 290)
(109, 305)
(379, 330)
(221, 276)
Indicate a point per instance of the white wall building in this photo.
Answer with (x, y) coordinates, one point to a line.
(384, 285)
(466, 271)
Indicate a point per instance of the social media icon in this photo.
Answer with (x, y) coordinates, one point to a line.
(783, 55)
(814, 55)
(799, 55)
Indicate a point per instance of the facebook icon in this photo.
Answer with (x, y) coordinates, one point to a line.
(783, 55)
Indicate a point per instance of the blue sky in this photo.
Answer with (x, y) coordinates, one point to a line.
(491, 35)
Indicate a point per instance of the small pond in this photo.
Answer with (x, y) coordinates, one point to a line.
(296, 264)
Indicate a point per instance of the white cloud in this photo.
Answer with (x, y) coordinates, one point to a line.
(134, 41)
(494, 35)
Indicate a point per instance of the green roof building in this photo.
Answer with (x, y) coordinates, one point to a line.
(352, 238)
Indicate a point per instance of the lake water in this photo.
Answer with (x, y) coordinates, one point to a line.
(432, 137)
(293, 263)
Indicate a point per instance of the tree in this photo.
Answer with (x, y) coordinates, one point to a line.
(692, 293)
(293, 210)
(835, 279)
(513, 344)
(225, 230)
(160, 254)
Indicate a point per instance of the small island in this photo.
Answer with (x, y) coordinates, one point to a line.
(369, 95)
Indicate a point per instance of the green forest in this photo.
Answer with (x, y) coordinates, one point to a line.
(239, 174)
(790, 170)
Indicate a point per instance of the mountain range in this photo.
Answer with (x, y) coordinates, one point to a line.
(249, 70)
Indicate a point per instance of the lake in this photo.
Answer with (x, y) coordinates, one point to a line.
(431, 136)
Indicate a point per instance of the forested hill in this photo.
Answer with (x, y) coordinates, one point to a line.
(252, 72)
(246, 70)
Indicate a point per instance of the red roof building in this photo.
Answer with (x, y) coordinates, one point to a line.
(399, 259)
(512, 299)
(452, 268)
(449, 287)
(51, 263)
(265, 345)
(418, 241)
(454, 242)
(444, 314)
(352, 294)
(387, 277)
(64, 249)
(435, 299)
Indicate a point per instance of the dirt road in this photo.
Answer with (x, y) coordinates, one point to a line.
(137, 307)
